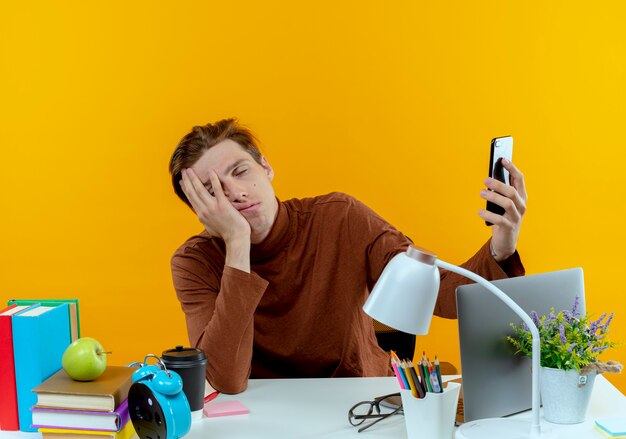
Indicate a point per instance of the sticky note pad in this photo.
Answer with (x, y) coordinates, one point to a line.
(615, 427)
(213, 409)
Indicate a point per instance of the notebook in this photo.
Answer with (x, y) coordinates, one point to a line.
(495, 381)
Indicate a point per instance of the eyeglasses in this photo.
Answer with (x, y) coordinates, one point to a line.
(364, 410)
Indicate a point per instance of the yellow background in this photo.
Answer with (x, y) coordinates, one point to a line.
(392, 102)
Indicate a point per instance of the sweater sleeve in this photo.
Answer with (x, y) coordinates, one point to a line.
(483, 264)
(383, 242)
(219, 313)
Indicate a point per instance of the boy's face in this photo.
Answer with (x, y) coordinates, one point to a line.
(246, 183)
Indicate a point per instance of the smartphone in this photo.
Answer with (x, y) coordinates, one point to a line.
(501, 148)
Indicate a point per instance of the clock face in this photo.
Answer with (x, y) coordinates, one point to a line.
(146, 413)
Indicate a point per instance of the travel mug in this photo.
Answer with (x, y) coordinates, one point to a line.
(190, 364)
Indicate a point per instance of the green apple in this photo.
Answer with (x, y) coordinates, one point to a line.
(84, 359)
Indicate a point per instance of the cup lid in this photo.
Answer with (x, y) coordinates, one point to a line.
(182, 354)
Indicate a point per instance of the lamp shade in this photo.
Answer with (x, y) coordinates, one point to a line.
(406, 292)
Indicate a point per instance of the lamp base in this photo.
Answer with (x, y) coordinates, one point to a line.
(500, 428)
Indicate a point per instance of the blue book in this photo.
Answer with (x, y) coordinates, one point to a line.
(40, 336)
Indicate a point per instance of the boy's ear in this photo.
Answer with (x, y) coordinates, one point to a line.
(268, 168)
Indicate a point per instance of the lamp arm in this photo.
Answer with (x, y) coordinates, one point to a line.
(536, 352)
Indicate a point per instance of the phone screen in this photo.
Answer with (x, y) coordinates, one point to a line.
(501, 148)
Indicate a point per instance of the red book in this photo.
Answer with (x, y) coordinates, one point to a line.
(8, 395)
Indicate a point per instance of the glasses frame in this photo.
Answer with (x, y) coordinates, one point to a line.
(357, 420)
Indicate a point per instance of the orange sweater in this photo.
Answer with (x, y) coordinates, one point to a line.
(299, 312)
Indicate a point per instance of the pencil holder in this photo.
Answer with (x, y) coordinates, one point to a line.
(431, 416)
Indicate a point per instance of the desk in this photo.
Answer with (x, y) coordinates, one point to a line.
(318, 408)
(312, 408)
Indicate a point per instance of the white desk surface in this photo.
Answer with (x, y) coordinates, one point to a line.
(318, 408)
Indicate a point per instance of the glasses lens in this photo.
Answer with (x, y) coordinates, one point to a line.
(390, 403)
(360, 412)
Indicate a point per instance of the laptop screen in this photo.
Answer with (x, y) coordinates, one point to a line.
(495, 381)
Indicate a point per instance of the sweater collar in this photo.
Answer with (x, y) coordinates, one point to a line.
(277, 240)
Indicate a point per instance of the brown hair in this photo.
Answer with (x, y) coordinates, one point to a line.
(201, 138)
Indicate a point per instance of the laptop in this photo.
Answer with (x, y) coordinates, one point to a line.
(496, 382)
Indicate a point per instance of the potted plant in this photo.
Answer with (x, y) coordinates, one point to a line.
(570, 346)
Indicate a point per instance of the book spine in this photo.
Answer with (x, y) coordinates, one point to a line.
(38, 346)
(8, 396)
(121, 394)
(124, 414)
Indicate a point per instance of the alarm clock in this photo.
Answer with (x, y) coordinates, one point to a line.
(157, 405)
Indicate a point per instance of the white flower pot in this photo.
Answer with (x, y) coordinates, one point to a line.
(564, 401)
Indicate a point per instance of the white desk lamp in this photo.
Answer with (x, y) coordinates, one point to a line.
(404, 298)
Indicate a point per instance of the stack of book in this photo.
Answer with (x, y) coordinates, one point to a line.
(33, 337)
(98, 409)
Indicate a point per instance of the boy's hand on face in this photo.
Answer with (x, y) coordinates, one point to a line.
(215, 212)
(506, 228)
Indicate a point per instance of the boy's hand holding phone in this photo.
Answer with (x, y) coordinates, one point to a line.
(506, 194)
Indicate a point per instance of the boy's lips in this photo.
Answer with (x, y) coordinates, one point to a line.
(247, 207)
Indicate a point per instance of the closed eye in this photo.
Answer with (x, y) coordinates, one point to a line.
(240, 171)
